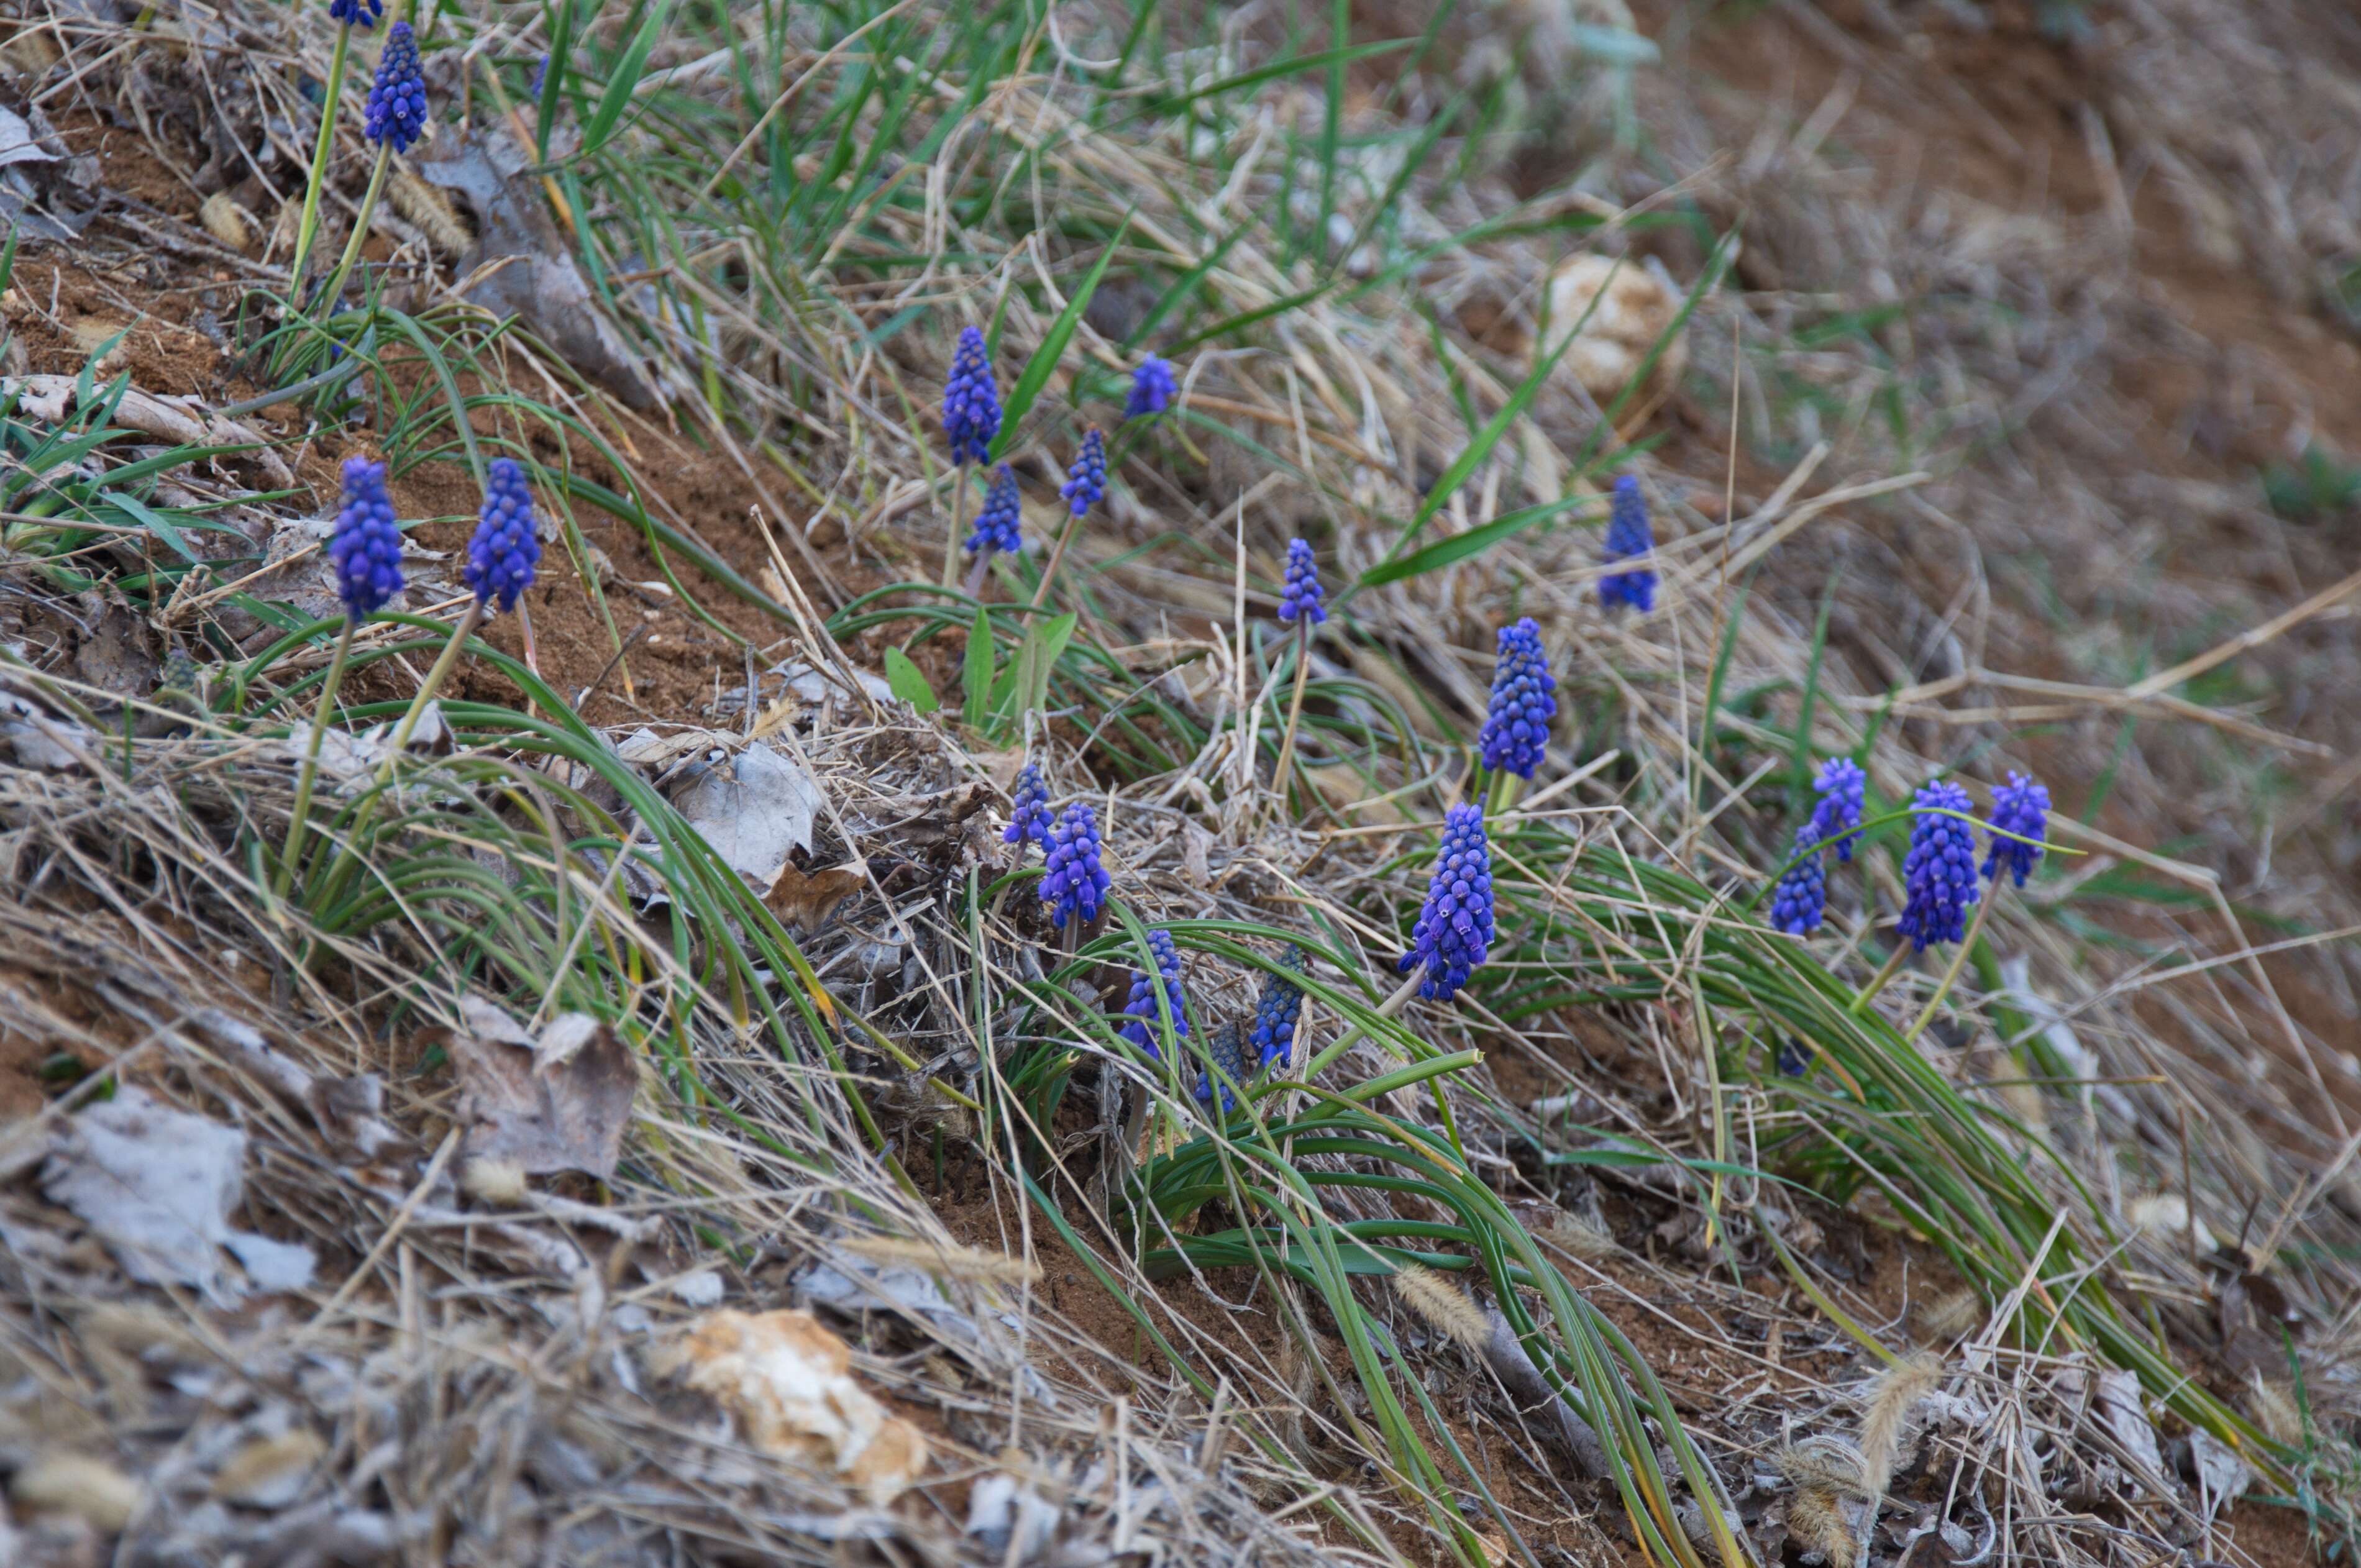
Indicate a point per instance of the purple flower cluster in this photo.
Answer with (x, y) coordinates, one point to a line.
(1227, 1046)
(1802, 895)
(1029, 822)
(1077, 882)
(397, 100)
(1086, 481)
(1301, 594)
(504, 552)
(1278, 1010)
(1455, 928)
(1628, 538)
(1145, 1027)
(971, 399)
(1841, 787)
(1938, 875)
(1516, 726)
(361, 13)
(1000, 525)
(2022, 808)
(366, 544)
(1151, 389)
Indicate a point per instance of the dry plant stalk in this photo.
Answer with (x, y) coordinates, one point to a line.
(947, 1260)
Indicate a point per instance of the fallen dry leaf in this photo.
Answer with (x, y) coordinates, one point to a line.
(806, 899)
(181, 421)
(752, 808)
(558, 1102)
(787, 1382)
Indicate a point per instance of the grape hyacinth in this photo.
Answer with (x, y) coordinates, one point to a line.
(361, 13)
(1516, 729)
(1802, 895)
(540, 76)
(1076, 882)
(1029, 822)
(1454, 929)
(397, 100)
(1151, 389)
(1938, 875)
(504, 552)
(2019, 806)
(971, 399)
(366, 544)
(1628, 538)
(1086, 481)
(1227, 1046)
(1143, 1030)
(1301, 594)
(1278, 1009)
(1840, 786)
(999, 526)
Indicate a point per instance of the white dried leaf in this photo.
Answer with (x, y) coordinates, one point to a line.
(17, 142)
(558, 1102)
(752, 809)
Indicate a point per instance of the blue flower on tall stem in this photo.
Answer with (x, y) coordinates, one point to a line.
(1143, 1029)
(366, 547)
(1454, 932)
(1802, 895)
(1029, 823)
(1517, 725)
(1087, 480)
(1628, 538)
(971, 399)
(505, 551)
(1151, 389)
(1938, 875)
(2022, 808)
(361, 13)
(1278, 1010)
(397, 100)
(1841, 787)
(1077, 882)
(1000, 525)
(1227, 1046)
(1301, 594)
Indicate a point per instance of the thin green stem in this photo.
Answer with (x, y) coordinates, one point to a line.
(303, 781)
(1344, 1042)
(1878, 982)
(327, 299)
(1294, 707)
(308, 230)
(1951, 975)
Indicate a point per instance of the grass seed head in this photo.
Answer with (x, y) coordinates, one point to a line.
(947, 1260)
(1817, 1525)
(1886, 1413)
(1446, 1308)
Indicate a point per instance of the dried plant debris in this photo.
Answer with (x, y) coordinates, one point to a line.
(559, 1100)
(754, 806)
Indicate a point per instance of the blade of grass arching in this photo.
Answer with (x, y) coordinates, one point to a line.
(623, 81)
(1800, 776)
(1044, 363)
(552, 83)
(407, 326)
(1161, 108)
(1460, 546)
(1449, 364)
(1413, 163)
(1188, 283)
(1332, 122)
(1472, 457)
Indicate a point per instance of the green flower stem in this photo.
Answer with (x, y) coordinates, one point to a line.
(303, 781)
(1344, 1042)
(360, 228)
(1506, 787)
(1878, 982)
(1294, 708)
(1958, 962)
(308, 230)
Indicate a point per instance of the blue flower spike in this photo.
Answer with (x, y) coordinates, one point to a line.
(1145, 1028)
(1076, 882)
(1001, 524)
(366, 547)
(360, 14)
(1301, 594)
(1086, 481)
(1278, 1011)
(1841, 787)
(971, 399)
(1029, 822)
(2022, 808)
(1151, 389)
(1801, 898)
(1455, 929)
(397, 100)
(1938, 875)
(505, 551)
(1628, 538)
(1227, 1046)
(1524, 700)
